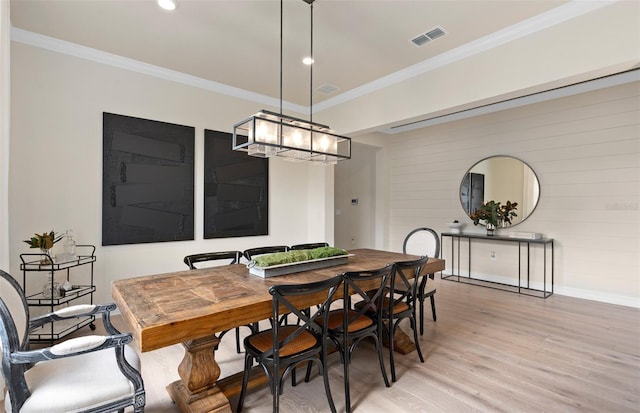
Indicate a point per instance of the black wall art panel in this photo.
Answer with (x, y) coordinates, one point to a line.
(235, 190)
(147, 181)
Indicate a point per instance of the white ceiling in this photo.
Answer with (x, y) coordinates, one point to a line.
(236, 42)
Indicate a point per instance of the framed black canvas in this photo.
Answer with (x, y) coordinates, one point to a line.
(147, 181)
(236, 190)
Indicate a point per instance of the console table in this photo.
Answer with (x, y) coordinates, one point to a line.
(524, 285)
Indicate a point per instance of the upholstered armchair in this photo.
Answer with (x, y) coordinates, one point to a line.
(97, 373)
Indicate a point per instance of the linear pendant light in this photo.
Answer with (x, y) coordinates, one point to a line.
(268, 134)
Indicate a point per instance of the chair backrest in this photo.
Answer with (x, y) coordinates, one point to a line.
(254, 252)
(309, 246)
(14, 334)
(191, 260)
(16, 307)
(422, 241)
(405, 280)
(357, 287)
(287, 299)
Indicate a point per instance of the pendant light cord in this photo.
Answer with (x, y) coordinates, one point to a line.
(311, 71)
(310, 68)
(281, 16)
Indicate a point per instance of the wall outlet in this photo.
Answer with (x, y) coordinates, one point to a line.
(493, 255)
(353, 240)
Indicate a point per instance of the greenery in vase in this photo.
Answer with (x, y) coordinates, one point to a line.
(278, 258)
(44, 241)
(494, 213)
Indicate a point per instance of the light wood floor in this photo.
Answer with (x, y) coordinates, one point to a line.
(489, 351)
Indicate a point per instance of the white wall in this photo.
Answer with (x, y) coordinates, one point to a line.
(56, 162)
(356, 179)
(586, 151)
(5, 59)
(4, 142)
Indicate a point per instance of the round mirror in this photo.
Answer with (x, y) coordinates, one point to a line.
(500, 179)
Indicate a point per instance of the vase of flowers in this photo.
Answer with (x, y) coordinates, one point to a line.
(493, 214)
(45, 242)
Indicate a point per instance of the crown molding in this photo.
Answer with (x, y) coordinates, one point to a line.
(568, 11)
(110, 59)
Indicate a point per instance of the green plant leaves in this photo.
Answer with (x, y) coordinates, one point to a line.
(44, 240)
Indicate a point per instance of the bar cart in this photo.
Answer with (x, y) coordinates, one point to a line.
(50, 295)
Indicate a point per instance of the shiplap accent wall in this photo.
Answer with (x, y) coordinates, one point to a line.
(5, 82)
(585, 150)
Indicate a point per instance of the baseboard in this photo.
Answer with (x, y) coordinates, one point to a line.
(617, 299)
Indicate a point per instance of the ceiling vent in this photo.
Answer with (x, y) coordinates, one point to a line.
(428, 36)
(327, 89)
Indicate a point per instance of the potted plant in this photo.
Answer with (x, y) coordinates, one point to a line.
(45, 242)
(493, 214)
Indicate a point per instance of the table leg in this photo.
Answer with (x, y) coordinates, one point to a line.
(402, 342)
(197, 390)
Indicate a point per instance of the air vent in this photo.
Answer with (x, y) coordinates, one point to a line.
(428, 36)
(327, 89)
(420, 40)
(435, 33)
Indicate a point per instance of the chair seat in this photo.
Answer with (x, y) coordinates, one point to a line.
(397, 307)
(263, 341)
(357, 322)
(67, 385)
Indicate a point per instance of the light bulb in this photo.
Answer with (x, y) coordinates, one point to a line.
(324, 143)
(168, 4)
(297, 139)
(262, 132)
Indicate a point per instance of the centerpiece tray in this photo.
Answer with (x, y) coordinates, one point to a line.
(293, 267)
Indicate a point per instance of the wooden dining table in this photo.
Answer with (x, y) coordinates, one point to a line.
(191, 306)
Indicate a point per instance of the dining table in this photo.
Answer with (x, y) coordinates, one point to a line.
(191, 306)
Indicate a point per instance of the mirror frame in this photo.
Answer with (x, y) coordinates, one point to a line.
(500, 156)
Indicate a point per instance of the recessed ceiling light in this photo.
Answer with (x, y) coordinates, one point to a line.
(307, 61)
(168, 4)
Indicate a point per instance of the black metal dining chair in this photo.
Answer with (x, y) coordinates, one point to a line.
(309, 246)
(209, 257)
(360, 318)
(424, 241)
(250, 253)
(283, 347)
(191, 260)
(400, 303)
